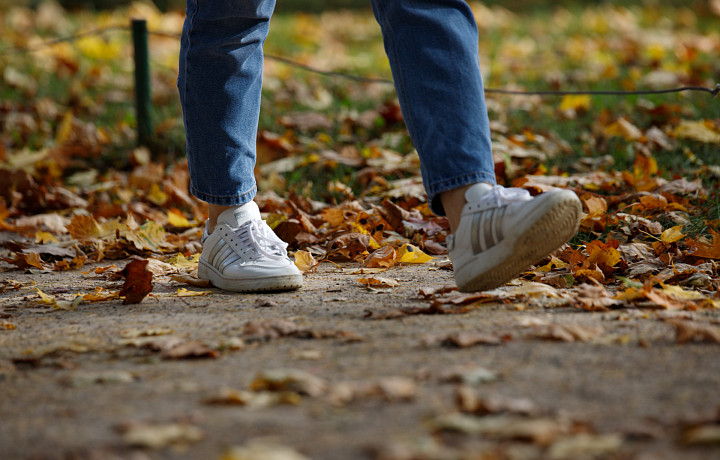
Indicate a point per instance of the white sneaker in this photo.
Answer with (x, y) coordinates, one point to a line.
(243, 254)
(503, 231)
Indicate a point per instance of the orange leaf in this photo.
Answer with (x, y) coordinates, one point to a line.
(138, 281)
(83, 227)
(596, 206)
(708, 251)
(384, 257)
(23, 261)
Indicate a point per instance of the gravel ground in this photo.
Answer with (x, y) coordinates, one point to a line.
(339, 371)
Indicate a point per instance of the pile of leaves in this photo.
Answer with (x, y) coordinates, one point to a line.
(339, 178)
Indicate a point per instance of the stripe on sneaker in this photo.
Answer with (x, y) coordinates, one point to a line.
(487, 229)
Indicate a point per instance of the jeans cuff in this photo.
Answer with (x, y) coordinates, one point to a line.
(225, 200)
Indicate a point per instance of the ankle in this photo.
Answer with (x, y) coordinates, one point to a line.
(214, 210)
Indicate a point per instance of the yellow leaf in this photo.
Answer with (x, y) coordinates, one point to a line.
(182, 292)
(409, 254)
(7, 326)
(305, 261)
(44, 238)
(176, 219)
(575, 102)
(671, 235)
(46, 299)
(683, 294)
(65, 128)
(697, 130)
(149, 236)
(98, 47)
(180, 261)
(625, 129)
(156, 195)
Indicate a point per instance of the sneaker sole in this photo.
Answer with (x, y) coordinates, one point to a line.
(558, 225)
(274, 283)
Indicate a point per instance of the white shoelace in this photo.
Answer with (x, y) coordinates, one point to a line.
(502, 195)
(258, 237)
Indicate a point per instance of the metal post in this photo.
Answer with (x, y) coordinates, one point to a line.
(143, 100)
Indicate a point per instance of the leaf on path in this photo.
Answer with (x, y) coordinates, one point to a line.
(409, 254)
(585, 445)
(462, 339)
(703, 435)
(150, 236)
(152, 332)
(25, 261)
(79, 379)
(384, 257)
(180, 261)
(349, 246)
(7, 326)
(568, 332)
(58, 304)
(305, 261)
(268, 329)
(541, 431)
(469, 374)
(293, 380)
(379, 282)
(469, 401)
(161, 436)
(255, 450)
(191, 349)
(254, 399)
(190, 280)
(389, 389)
(100, 294)
(692, 331)
(593, 298)
(138, 281)
(182, 292)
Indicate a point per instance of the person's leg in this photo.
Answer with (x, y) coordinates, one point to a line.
(496, 232)
(432, 46)
(220, 82)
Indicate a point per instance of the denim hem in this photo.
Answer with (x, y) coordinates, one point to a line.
(434, 190)
(233, 200)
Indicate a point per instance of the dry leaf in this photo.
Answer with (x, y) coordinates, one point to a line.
(569, 332)
(292, 380)
(305, 261)
(161, 436)
(261, 451)
(692, 331)
(379, 282)
(191, 349)
(138, 281)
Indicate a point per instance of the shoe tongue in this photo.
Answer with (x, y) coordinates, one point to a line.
(236, 217)
(476, 192)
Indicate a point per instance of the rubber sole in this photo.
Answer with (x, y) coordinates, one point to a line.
(274, 283)
(553, 229)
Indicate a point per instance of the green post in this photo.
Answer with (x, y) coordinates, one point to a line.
(143, 102)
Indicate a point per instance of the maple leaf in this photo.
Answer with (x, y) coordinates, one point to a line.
(138, 281)
(708, 250)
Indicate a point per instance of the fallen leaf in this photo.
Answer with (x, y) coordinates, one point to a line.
(469, 374)
(255, 399)
(182, 292)
(138, 281)
(305, 261)
(384, 257)
(541, 431)
(699, 130)
(692, 331)
(703, 435)
(585, 445)
(293, 380)
(409, 254)
(462, 339)
(191, 349)
(190, 280)
(389, 389)
(161, 436)
(379, 282)
(568, 332)
(469, 401)
(261, 451)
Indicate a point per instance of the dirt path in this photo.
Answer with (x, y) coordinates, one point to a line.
(361, 375)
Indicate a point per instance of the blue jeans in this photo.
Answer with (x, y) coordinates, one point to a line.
(432, 46)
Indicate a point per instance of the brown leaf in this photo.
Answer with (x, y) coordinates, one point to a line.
(191, 280)
(189, 350)
(293, 380)
(467, 400)
(569, 332)
(268, 329)
(349, 245)
(692, 331)
(384, 257)
(24, 261)
(138, 281)
(462, 339)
